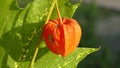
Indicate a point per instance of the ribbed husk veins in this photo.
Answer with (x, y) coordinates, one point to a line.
(62, 38)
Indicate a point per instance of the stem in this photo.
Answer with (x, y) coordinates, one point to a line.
(50, 12)
(58, 12)
(31, 65)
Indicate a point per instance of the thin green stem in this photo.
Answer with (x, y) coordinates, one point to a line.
(50, 12)
(31, 65)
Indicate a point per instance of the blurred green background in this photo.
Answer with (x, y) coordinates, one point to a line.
(100, 22)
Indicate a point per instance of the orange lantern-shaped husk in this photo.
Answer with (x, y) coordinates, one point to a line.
(62, 38)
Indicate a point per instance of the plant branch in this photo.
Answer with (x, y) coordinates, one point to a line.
(50, 12)
(31, 65)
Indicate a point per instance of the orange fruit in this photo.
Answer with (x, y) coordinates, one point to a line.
(62, 38)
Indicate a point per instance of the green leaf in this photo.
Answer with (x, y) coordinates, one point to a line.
(21, 28)
(50, 60)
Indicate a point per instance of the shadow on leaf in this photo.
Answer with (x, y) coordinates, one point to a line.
(13, 44)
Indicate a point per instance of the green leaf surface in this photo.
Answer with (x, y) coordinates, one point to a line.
(21, 28)
(50, 60)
